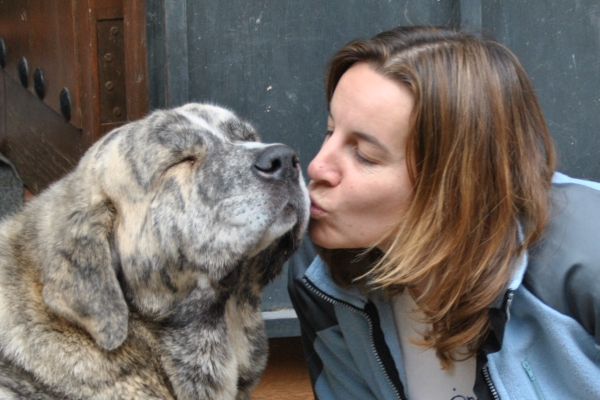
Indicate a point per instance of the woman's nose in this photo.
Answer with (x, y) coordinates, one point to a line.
(325, 168)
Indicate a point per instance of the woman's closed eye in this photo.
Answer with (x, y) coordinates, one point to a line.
(362, 159)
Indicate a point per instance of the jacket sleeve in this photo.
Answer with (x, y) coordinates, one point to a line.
(564, 266)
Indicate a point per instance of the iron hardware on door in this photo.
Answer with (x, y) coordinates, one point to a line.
(111, 71)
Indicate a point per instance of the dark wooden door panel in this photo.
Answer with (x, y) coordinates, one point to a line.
(41, 143)
(74, 70)
(42, 33)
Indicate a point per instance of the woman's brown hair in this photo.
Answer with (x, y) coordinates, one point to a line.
(481, 161)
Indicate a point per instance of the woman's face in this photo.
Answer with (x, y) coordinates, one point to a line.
(359, 184)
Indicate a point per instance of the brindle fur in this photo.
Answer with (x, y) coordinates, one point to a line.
(139, 275)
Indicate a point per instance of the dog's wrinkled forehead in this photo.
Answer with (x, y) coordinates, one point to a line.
(219, 121)
(181, 129)
(167, 137)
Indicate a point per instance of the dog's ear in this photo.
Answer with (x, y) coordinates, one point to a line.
(80, 281)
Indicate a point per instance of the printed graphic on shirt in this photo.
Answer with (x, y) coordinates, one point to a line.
(461, 397)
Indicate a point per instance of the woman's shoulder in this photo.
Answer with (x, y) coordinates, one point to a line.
(564, 265)
(573, 229)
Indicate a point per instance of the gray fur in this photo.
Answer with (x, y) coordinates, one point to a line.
(139, 275)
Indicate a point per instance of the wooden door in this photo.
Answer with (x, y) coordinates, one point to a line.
(71, 71)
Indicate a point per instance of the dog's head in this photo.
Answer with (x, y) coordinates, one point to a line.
(174, 203)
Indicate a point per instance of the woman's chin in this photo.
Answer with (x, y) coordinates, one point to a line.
(329, 240)
(322, 237)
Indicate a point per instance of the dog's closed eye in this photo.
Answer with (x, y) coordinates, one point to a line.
(190, 159)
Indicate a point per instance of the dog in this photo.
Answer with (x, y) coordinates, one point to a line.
(139, 274)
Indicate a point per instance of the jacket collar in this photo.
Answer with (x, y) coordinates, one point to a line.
(319, 275)
(499, 310)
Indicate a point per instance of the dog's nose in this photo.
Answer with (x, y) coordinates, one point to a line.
(277, 162)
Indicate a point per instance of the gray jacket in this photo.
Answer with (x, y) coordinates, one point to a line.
(544, 341)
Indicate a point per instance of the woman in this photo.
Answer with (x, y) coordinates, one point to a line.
(453, 263)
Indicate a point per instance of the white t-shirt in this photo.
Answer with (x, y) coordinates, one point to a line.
(426, 378)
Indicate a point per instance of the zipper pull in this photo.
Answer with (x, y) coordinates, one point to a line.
(527, 369)
(536, 385)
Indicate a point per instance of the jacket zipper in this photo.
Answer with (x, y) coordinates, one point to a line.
(534, 382)
(332, 300)
(488, 380)
(486, 370)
